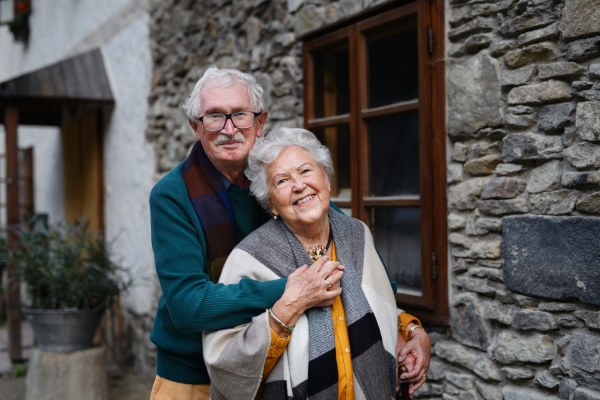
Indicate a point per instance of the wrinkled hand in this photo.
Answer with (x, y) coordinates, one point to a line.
(408, 361)
(418, 349)
(306, 287)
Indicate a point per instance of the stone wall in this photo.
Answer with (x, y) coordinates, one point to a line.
(524, 142)
(523, 90)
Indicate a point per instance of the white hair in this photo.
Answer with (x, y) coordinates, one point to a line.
(222, 78)
(270, 146)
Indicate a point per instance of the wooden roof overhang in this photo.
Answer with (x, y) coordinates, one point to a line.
(42, 95)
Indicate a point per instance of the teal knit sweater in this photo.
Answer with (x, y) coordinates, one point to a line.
(190, 302)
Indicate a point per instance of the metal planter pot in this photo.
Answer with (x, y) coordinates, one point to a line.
(63, 331)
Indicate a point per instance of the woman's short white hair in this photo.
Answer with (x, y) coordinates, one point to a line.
(271, 145)
(222, 78)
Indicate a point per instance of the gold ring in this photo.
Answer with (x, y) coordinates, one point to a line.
(328, 284)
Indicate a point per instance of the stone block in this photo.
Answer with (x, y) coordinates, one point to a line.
(516, 373)
(488, 392)
(580, 50)
(545, 51)
(526, 22)
(534, 319)
(522, 121)
(463, 381)
(580, 18)
(560, 70)
(483, 165)
(474, 360)
(500, 47)
(511, 392)
(554, 117)
(590, 95)
(538, 93)
(581, 85)
(586, 379)
(567, 389)
(574, 180)
(489, 249)
(530, 146)
(545, 177)
(456, 221)
(460, 152)
(558, 202)
(492, 263)
(546, 379)
(589, 203)
(77, 375)
(488, 273)
(513, 347)
(463, 195)
(469, 324)
(557, 307)
(570, 322)
(587, 120)
(591, 318)
(474, 86)
(486, 225)
(550, 256)
(595, 71)
(437, 369)
(481, 149)
(477, 42)
(475, 285)
(583, 155)
(502, 188)
(549, 32)
(477, 25)
(520, 110)
(582, 393)
(585, 352)
(517, 77)
(308, 18)
(503, 207)
(455, 173)
(507, 169)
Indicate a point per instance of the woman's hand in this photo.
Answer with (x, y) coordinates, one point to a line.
(415, 355)
(307, 287)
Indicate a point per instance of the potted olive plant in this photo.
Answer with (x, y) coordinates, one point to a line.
(71, 280)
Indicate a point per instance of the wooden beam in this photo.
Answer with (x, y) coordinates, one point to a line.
(11, 121)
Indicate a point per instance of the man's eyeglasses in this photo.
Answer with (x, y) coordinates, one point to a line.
(240, 119)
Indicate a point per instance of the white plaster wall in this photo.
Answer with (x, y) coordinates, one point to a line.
(129, 160)
(61, 29)
(56, 27)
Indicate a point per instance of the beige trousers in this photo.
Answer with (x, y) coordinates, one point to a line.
(164, 389)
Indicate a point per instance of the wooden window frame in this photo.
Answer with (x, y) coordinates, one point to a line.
(432, 306)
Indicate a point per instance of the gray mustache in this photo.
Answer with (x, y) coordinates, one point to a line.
(238, 137)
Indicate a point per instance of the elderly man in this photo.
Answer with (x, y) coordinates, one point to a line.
(199, 212)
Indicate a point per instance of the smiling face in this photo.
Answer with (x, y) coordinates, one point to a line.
(299, 190)
(229, 145)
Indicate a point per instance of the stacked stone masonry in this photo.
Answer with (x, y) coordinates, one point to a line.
(523, 122)
(524, 140)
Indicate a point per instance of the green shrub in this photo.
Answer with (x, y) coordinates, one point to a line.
(67, 266)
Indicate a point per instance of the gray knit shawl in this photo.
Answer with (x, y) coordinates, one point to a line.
(308, 368)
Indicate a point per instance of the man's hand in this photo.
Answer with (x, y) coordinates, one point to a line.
(415, 355)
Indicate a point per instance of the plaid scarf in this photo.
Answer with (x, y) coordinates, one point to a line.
(213, 208)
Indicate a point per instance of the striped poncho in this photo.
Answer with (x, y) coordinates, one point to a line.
(307, 369)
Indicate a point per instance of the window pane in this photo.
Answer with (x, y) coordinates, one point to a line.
(393, 59)
(337, 139)
(394, 155)
(332, 82)
(397, 233)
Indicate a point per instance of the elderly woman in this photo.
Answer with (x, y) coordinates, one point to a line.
(291, 350)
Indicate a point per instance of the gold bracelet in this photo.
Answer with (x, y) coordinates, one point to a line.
(411, 330)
